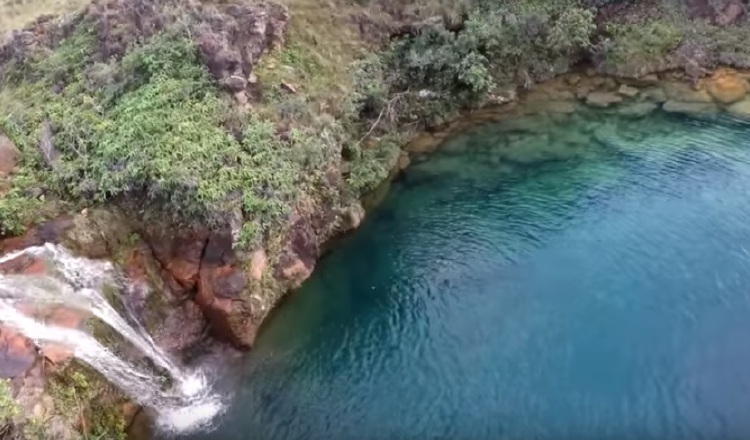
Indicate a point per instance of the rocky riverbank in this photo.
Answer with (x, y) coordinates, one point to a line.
(724, 91)
(205, 151)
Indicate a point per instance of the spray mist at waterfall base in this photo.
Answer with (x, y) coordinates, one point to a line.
(181, 399)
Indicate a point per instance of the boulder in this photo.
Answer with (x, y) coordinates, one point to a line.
(179, 256)
(732, 12)
(628, 91)
(17, 353)
(638, 109)
(655, 94)
(258, 264)
(740, 109)
(682, 92)
(8, 156)
(603, 99)
(423, 143)
(645, 80)
(726, 86)
(690, 108)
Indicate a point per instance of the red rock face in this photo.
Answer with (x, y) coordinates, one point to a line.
(175, 324)
(17, 353)
(205, 266)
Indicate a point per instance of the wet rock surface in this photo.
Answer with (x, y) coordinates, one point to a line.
(17, 353)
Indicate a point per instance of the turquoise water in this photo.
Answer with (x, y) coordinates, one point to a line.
(583, 276)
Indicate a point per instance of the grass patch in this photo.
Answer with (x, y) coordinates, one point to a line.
(15, 14)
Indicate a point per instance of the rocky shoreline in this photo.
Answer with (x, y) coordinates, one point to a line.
(188, 285)
(194, 285)
(726, 90)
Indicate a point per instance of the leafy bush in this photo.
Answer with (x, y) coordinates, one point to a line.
(641, 43)
(9, 410)
(500, 46)
(154, 134)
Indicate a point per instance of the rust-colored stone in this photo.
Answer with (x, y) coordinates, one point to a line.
(220, 289)
(180, 257)
(17, 353)
(49, 232)
(57, 354)
(726, 86)
(65, 317)
(25, 264)
(295, 270)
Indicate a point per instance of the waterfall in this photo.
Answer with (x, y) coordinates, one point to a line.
(183, 400)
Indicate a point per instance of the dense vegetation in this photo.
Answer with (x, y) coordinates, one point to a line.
(154, 131)
(500, 46)
(151, 127)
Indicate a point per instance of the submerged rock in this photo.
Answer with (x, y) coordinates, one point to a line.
(638, 109)
(691, 108)
(628, 91)
(655, 94)
(740, 109)
(682, 92)
(603, 99)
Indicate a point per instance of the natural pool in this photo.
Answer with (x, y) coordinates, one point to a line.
(574, 276)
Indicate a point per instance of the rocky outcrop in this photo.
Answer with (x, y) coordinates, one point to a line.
(726, 87)
(690, 108)
(8, 156)
(740, 109)
(231, 37)
(17, 353)
(235, 289)
(703, 32)
(603, 99)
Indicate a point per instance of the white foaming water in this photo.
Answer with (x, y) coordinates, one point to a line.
(185, 405)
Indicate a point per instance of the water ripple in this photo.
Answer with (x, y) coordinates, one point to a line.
(595, 290)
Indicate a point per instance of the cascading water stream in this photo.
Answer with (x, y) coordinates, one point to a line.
(78, 283)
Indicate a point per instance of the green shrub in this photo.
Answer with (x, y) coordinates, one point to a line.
(155, 136)
(641, 43)
(371, 166)
(500, 46)
(9, 408)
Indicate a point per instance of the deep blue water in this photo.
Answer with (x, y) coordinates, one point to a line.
(583, 277)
